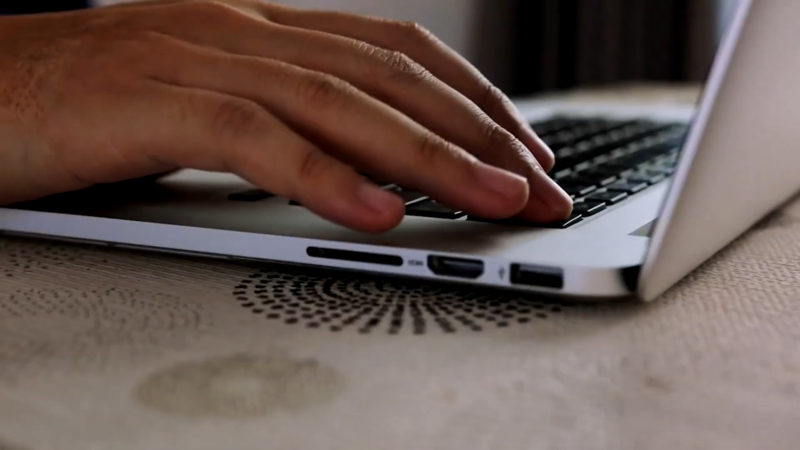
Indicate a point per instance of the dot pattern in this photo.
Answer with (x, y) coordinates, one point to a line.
(40, 257)
(370, 305)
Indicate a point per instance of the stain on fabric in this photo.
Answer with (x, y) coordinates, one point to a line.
(4, 445)
(241, 386)
(657, 384)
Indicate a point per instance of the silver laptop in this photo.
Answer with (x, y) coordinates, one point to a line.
(657, 193)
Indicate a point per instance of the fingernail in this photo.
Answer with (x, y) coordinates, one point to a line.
(505, 183)
(377, 199)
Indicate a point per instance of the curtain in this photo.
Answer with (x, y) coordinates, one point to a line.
(562, 44)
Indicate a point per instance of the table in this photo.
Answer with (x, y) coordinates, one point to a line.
(119, 350)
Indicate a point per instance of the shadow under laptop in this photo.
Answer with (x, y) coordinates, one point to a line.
(367, 304)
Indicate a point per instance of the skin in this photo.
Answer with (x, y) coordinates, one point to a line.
(297, 102)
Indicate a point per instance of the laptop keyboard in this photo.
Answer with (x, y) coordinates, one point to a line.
(599, 162)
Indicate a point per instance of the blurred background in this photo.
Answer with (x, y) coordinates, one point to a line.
(530, 46)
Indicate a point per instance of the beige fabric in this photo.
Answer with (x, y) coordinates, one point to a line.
(114, 350)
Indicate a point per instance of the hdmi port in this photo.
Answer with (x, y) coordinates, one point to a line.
(455, 267)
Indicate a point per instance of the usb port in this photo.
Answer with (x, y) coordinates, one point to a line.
(537, 276)
(455, 267)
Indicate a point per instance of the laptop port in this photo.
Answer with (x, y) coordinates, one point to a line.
(537, 276)
(455, 267)
(347, 255)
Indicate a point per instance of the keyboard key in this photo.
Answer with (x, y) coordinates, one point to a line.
(645, 178)
(579, 190)
(588, 209)
(565, 163)
(602, 159)
(573, 219)
(627, 187)
(409, 197)
(561, 174)
(599, 175)
(608, 197)
(431, 208)
(629, 162)
(251, 195)
(555, 125)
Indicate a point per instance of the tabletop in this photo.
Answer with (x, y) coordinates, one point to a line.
(118, 350)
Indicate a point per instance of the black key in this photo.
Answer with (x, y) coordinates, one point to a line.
(602, 159)
(582, 166)
(655, 171)
(571, 220)
(561, 174)
(659, 169)
(409, 197)
(624, 163)
(565, 152)
(609, 197)
(430, 208)
(579, 190)
(252, 195)
(644, 178)
(554, 125)
(587, 209)
(627, 187)
(565, 163)
(599, 175)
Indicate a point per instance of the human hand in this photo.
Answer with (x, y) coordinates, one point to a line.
(293, 101)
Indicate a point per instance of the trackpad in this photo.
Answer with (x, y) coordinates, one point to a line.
(645, 230)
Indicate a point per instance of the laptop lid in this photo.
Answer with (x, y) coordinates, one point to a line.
(741, 158)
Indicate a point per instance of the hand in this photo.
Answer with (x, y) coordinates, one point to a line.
(296, 102)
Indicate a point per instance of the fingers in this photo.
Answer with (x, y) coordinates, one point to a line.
(359, 128)
(209, 131)
(401, 82)
(424, 48)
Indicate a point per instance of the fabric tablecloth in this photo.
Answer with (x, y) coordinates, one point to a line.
(119, 350)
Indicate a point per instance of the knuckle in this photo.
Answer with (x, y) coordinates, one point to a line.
(498, 139)
(234, 118)
(321, 91)
(431, 148)
(399, 66)
(492, 99)
(312, 166)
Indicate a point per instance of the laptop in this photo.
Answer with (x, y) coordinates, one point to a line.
(657, 192)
